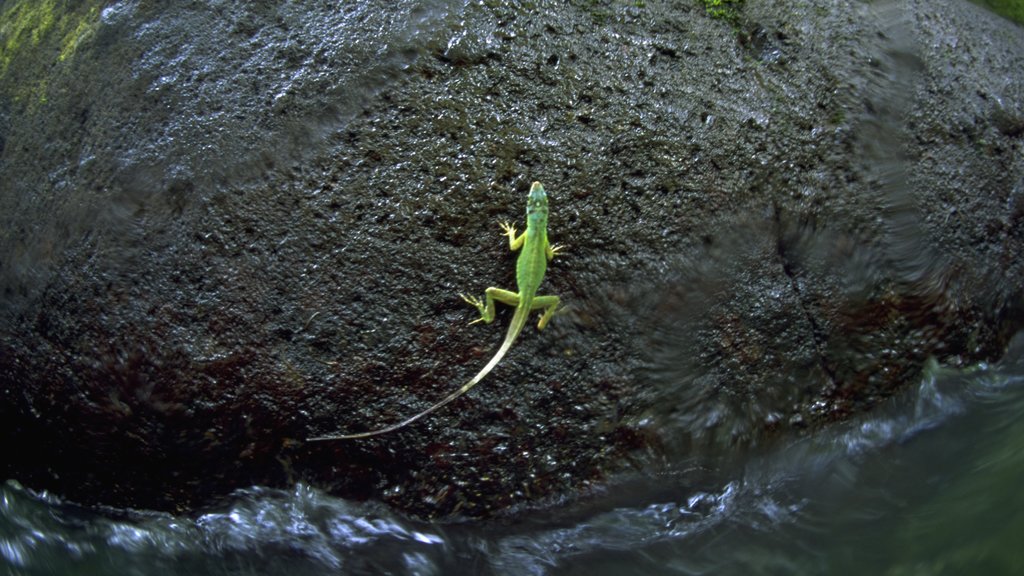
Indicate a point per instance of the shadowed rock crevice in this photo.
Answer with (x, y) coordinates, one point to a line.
(789, 268)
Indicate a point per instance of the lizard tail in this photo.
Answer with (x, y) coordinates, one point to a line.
(514, 328)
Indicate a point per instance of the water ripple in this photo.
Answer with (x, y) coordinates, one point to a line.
(804, 506)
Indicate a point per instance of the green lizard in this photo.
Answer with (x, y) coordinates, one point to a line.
(534, 254)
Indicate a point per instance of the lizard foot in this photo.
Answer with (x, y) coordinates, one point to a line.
(480, 306)
(509, 230)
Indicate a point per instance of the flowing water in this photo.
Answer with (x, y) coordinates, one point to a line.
(926, 484)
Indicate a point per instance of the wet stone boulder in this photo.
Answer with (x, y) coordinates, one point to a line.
(229, 228)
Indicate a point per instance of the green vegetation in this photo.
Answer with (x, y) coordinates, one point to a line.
(1012, 9)
(35, 35)
(727, 10)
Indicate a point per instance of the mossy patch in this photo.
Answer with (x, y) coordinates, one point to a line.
(1012, 9)
(35, 36)
(727, 10)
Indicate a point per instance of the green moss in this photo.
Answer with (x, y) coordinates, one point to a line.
(23, 25)
(74, 36)
(727, 10)
(1011, 9)
(35, 35)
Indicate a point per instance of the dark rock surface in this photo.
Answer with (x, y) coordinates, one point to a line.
(228, 228)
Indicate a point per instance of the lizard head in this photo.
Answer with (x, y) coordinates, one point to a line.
(537, 203)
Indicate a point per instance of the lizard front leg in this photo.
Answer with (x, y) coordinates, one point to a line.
(553, 250)
(514, 242)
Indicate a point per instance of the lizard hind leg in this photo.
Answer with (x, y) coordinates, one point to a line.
(484, 316)
(486, 308)
(549, 304)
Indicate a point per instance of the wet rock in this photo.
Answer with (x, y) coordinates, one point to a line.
(230, 228)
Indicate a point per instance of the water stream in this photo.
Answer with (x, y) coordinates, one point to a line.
(926, 484)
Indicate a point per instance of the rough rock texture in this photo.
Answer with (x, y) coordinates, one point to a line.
(229, 227)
